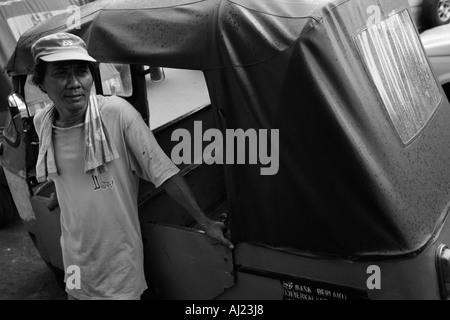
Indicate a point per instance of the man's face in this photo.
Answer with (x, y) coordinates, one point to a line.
(68, 84)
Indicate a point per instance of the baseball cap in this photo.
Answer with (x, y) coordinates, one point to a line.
(59, 47)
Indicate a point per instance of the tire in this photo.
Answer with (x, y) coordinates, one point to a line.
(7, 207)
(436, 12)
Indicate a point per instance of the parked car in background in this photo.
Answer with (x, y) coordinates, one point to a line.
(430, 13)
(15, 18)
(436, 42)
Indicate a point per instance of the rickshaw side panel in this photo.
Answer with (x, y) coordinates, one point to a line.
(181, 264)
(49, 225)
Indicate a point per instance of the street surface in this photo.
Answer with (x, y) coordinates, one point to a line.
(23, 274)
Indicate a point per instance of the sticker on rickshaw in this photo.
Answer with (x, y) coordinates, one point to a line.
(304, 289)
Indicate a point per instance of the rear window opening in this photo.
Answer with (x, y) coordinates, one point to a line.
(180, 93)
(396, 62)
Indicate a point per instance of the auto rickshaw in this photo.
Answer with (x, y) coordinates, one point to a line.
(333, 166)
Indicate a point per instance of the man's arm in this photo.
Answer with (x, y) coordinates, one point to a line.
(179, 190)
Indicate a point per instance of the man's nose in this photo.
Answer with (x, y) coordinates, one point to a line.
(73, 81)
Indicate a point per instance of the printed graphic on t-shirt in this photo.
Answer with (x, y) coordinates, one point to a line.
(102, 185)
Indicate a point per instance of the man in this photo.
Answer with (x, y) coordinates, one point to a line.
(87, 141)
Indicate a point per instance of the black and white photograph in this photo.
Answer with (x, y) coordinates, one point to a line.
(225, 153)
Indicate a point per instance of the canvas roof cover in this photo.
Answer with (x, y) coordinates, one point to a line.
(363, 146)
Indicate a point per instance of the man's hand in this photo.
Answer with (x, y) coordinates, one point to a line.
(178, 189)
(215, 230)
(53, 204)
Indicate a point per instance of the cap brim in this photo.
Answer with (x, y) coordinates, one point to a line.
(65, 56)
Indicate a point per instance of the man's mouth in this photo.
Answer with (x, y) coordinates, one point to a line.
(74, 96)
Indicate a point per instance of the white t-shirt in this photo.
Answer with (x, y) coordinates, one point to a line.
(99, 216)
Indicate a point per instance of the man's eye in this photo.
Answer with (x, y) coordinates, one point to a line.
(60, 73)
(82, 72)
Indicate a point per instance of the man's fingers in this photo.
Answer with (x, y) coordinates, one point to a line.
(53, 203)
(224, 241)
(217, 233)
(227, 243)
